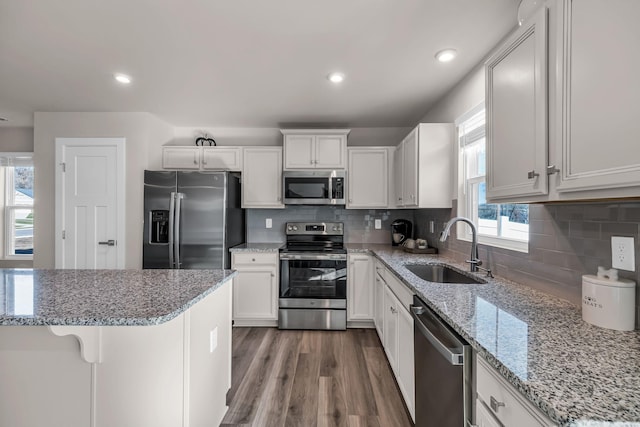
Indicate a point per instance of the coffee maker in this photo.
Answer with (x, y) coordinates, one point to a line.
(401, 230)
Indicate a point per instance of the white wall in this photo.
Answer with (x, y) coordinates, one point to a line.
(137, 128)
(16, 139)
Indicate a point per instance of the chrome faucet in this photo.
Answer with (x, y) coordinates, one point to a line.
(474, 261)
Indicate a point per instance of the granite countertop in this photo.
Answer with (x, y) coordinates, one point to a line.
(102, 297)
(576, 373)
(257, 247)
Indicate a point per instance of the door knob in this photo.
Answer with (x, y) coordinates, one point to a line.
(108, 243)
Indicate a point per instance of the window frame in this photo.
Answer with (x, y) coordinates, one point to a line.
(465, 203)
(8, 163)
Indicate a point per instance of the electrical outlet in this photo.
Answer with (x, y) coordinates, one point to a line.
(268, 223)
(622, 253)
(377, 224)
(213, 339)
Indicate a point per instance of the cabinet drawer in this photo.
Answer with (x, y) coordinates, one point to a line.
(509, 407)
(248, 259)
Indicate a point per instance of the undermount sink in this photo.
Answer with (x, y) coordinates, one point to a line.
(440, 273)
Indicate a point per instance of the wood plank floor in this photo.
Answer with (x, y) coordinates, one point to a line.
(312, 378)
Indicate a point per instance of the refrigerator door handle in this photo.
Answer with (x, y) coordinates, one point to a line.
(172, 208)
(176, 243)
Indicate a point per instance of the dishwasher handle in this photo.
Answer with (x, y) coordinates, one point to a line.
(453, 357)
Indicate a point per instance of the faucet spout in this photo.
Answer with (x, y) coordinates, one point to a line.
(474, 261)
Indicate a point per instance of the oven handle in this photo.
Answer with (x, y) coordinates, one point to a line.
(453, 357)
(310, 257)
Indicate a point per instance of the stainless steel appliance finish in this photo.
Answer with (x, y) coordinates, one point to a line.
(440, 274)
(443, 372)
(191, 219)
(313, 277)
(314, 187)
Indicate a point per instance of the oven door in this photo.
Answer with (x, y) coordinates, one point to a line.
(309, 282)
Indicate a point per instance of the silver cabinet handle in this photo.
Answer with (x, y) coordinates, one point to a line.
(551, 169)
(253, 259)
(532, 174)
(310, 162)
(495, 404)
(108, 243)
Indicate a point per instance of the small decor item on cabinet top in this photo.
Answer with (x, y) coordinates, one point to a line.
(607, 301)
(205, 138)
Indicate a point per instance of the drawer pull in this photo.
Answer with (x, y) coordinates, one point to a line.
(495, 404)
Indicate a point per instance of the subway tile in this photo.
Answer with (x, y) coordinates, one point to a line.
(609, 229)
(584, 230)
(601, 212)
(629, 213)
(569, 212)
(542, 241)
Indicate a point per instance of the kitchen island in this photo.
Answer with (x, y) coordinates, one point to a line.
(114, 347)
(577, 374)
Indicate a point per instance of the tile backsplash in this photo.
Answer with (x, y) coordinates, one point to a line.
(565, 242)
(358, 223)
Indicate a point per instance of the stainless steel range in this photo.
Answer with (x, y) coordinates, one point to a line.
(313, 277)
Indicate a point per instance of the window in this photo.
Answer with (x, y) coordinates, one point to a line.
(502, 225)
(16, 172)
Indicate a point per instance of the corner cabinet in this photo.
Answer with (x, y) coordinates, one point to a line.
(315, 148)
(255, 289)
(597, 96)
(423, 164)
(262, 177)
(369, 177)
(360, 291)
(516, 85)
(575, 137)
(202, 158)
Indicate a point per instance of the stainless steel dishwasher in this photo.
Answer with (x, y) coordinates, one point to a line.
(443, 371)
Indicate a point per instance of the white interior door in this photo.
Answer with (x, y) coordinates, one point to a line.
(90, 203)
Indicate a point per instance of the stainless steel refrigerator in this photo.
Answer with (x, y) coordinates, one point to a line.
(191, 219)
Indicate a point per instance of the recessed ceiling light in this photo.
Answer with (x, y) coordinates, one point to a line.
(122, 78)
(446, 55)
(336, 77)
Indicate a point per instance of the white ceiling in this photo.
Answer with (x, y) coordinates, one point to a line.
(253, 63)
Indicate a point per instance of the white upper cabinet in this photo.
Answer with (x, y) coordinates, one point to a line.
(591, 150)
(369, 177)
(516, 106)
(202, 158)
(222, 158)
(315, 148)
(181, 157)
(423, 167)
(598, 93)
(262, 177)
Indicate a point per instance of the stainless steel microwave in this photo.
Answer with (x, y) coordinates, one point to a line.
(314, 187)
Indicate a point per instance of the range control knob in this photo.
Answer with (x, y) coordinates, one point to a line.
(295, 228)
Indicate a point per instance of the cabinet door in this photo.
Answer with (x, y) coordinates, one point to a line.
(255, 294)
(398, 173)
(379, 306)
(390, 328)
(516, 85)
(405, 373)
(359, 288)
(220, 158)
(484, 417)
(410, 172)
(262, 178)
(330, 151)
(599, 95)
(181, 157)
(368, 178)
(299, 152)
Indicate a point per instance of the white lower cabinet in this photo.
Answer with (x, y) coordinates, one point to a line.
(359, 288)
(378, 311)
(397, 338)
(497, 398)
(255, 289)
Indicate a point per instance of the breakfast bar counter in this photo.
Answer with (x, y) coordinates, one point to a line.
(114, 347)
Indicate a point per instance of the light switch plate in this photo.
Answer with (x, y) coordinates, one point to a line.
(378, 224)
(268, 223)
(622, 253)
